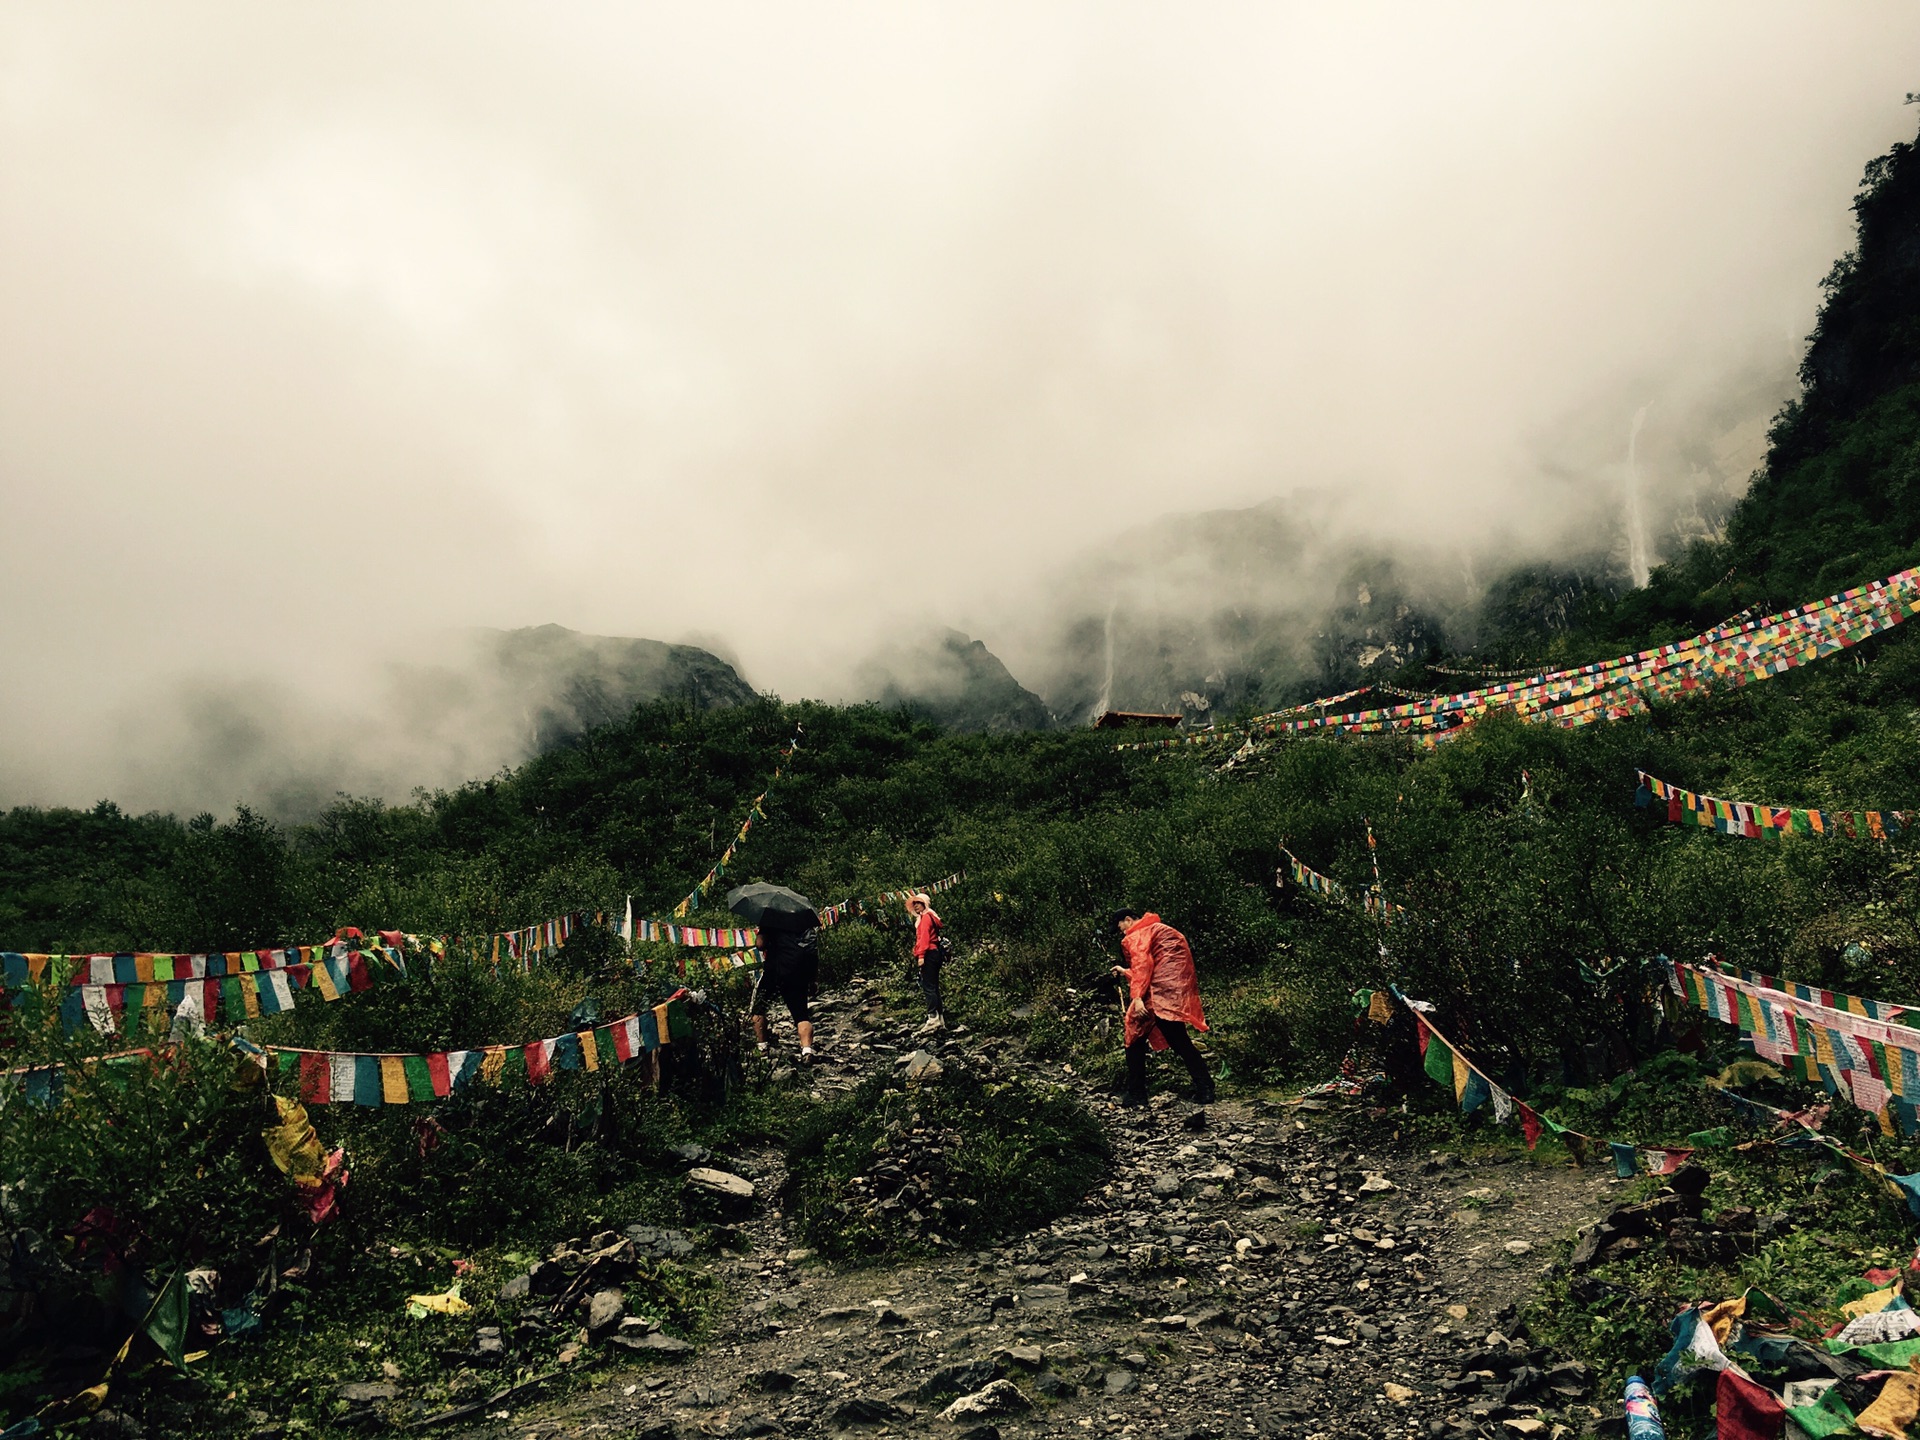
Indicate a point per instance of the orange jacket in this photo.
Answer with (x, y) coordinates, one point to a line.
(926, 934)
(1160, 971)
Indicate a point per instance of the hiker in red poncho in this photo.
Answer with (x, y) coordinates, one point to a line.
(1165, 1001)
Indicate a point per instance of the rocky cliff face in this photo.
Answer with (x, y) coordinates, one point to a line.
(565, 682)
(954, 680)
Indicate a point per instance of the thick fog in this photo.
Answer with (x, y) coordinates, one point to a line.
(325, 330)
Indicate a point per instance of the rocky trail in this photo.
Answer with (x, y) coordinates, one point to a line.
(1250, 1268)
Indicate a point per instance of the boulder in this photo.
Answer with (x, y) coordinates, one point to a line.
(605, 1309)
(864, 1410)
(717, 1191)
(1002, 1397)
(962, 1379)
(518, 1288)
(923, 1068)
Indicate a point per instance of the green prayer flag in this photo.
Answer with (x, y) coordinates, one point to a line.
(1828, 1415)
(419, 1078)
(1439, 1060)
(167, 1319)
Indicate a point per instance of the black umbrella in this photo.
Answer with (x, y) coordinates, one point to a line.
(773, 907)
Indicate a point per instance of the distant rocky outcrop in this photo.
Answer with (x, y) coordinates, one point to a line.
(954, 680)
(568, 682)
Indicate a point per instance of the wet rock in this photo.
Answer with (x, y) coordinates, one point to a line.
(726, 1190)
(1043, 1297)
(864, 1410)
(546, 1278)
(1002, 1397)
(667, 1347)
(605, 1309)
(1586, 1251)
(962, 1379)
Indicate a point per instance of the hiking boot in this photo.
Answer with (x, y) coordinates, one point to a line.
(1204, 1094)
(1133, 1102)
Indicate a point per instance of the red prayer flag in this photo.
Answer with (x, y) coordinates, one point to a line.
(1746, 1411)
(1423, 1030)
(1529, 1123)
(316, 1079)
(357, 977)
(437, 1072)
(539, 1062)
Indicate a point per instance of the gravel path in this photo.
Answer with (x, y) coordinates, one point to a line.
(1250, 1268)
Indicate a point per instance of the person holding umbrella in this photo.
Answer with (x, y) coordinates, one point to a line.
(929, 954)
(1165, 1001)
(789, 953)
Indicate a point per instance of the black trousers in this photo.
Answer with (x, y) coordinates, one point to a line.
(928, 970)
(1180, 1043)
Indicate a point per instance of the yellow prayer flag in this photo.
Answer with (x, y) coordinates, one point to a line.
(1871, 1304)
(393, 1080)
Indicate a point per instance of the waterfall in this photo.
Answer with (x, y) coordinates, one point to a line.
(1105, 702)
(1637, 562)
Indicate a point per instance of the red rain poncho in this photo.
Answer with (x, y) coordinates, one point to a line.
(1160, 971)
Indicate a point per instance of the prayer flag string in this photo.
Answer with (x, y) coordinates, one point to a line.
(1762, 822)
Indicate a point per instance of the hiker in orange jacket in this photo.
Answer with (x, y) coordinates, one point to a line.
(1165, 1000)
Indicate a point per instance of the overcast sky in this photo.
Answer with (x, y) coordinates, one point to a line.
(324, 327)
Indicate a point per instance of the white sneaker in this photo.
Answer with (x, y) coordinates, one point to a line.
(934, 1022)
(806, 1055)
(761, 1045)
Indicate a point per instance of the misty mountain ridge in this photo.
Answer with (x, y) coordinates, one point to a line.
(954, 680)
(454, 707)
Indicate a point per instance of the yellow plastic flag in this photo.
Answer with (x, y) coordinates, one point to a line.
(292, 1144)
(448, 1302)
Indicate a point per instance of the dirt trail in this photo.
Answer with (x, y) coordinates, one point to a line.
(1247, 1269)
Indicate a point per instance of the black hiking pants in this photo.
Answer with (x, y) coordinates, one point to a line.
(928, 969)
(1178, 1041)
